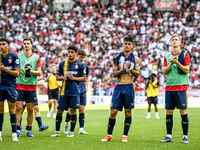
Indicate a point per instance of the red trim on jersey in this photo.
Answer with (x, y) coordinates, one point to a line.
(30, 55)
(26, 87)
(177, 88)
(39, 63)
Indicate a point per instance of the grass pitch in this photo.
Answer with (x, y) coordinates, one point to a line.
(143, 134)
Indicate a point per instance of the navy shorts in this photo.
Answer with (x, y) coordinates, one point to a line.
(28, 96)
(176, 99)
(83, 98)
(64, 102)
(8, 93)
(123, 96)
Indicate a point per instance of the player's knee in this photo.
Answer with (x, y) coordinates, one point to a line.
(18, 108)
(183, 111)
(60, 112)
(113, 114)
(12, 111)
(169, 112)
(81, 110)
(1, 110)
(36, 108)
(29, 109)
(72, 111)
(127, 113)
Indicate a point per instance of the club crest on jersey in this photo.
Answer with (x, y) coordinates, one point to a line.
(76, 66)
(9, 61)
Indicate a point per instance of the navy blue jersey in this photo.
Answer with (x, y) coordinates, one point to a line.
(10, 61)
(71, 87)
(120, 59)
(82, 84)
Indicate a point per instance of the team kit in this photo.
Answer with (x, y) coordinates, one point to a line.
(19, 76)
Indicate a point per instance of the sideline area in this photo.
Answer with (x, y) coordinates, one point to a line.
(44, 107)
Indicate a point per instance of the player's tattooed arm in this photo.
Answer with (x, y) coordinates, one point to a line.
(117, 72)
(136, 72)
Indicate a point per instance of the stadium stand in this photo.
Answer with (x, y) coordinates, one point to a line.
(98, 27)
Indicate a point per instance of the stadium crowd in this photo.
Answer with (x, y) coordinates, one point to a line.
(98, 27)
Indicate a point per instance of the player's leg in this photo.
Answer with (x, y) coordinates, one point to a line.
(82, 113)
(74, 104)
(156, 110)
(169, 106)
(149, 108)
(127, 124)
(38, 118)
(1, 118)
(82, 120)
(73, 119)
(29, 107)
(13, 119)
(62, 105)
(24, 106)
(54, 108)
(67, 119)
(116, 105)
(182, 105)
(49, 106)
(185, 124)
(19, 108)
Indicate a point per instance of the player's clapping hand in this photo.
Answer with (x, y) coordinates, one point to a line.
(71, 76)
(175, 59)
(124, 66)
(65, 77)
(2, 67)
(128, 64)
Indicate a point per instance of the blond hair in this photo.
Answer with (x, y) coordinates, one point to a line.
(175, 36)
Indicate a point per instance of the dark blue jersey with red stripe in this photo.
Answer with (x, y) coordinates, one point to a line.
(10, 61)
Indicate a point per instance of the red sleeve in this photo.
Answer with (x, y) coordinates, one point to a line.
(187, 59)
(165, 62)
(39, 63)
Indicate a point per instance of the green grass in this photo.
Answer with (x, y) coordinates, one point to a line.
(144, 133)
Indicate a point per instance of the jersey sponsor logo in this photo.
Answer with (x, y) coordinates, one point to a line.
(72, 72)
(9, 61)
(76, 66)
(9, 67)
(17, 61)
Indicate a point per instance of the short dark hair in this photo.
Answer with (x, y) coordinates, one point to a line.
(73, 48)
(128, 38)
(28, 39)
(81, 52)
(5, 40)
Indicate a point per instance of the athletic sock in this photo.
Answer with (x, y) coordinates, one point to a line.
(58, 121)
(13, 121)
(39, 121)
(127, 124)
(67, 119)
(185, 124)
(111, 124)
(1, 121)
(81, 120)
(73, 119)
(169, 123)
(29, 128)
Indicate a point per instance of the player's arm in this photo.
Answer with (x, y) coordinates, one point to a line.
(14, 72)
(37, 72)
(117, 72)
(136, 72)
(155, 86)
(166, 68)
(60, 77)
(146, 86)
(80, 79)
